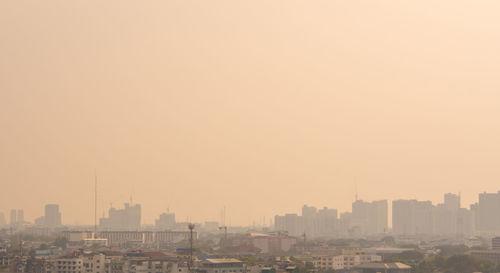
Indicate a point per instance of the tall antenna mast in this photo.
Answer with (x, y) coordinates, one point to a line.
(95, 206)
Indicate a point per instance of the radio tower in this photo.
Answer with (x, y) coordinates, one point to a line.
(95, 206)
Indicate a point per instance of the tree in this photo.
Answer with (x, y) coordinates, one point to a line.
(451, 250)
(61, 242)
(43, 247)
(407, 256)
(389, 240)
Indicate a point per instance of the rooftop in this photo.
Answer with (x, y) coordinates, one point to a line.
(220, 261)
(383, 266)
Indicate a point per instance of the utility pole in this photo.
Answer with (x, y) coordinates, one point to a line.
(190, 264)
(304, 235)
(225, 234)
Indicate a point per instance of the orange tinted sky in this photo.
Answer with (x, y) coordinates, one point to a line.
(258, 105)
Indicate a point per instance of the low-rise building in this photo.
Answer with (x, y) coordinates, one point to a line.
(489, 254)
(383, 268)
(342, 261)
(221, 266)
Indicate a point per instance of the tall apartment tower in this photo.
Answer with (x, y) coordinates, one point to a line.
(126, 219)
(52, 215)
(370, 217)
(13, 217)
(2, 220)
(402, 216)
(487, 217)
(452, 202)
(166, 221)
(20, 216)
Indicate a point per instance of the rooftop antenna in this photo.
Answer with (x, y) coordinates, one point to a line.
(356, 190)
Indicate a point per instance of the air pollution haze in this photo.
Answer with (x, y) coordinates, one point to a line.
(257, 106)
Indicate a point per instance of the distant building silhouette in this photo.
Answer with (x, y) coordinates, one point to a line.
(412, 217)
(487, 218)
(369, 217)
(126, 219)
(52, 216)
(312, 222)
(166, 221)
(13, 217)
(2, 220)
(20, 216)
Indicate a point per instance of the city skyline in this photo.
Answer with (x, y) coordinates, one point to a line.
(104, 220)
(223, 136)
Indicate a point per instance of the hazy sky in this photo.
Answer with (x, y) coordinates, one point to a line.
(260, 105)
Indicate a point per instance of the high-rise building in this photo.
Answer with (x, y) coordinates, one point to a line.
(423, 217)
(495, 243)
(2, 220)
(307, 221)
(13, 217)
(312, 222)
(487, 216)
(452, 202)
(20, 216)
(294, 224)
(166, 221)
(128, 219)
(369, 217)
(52, 216)
(410, 217)
(326, 222)
(403, 217)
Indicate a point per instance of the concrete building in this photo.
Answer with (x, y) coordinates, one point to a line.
(488, 254)
(385, 252)
(403, 219)
(126, 219)
(162, 239)
(383, 268)
(495, 243)
(52, 216)
(343, 261)
(2, 220)
(13, 218)
(412, 217)
(221, 266)
(166, 221)
(78, 264)
(77, 236)
(370, 217)
(326, 262)
(268, 243)
(312, 222)
(149, 263)
(487, 218)
(20, 216)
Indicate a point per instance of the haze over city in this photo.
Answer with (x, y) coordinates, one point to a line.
(258, 106)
